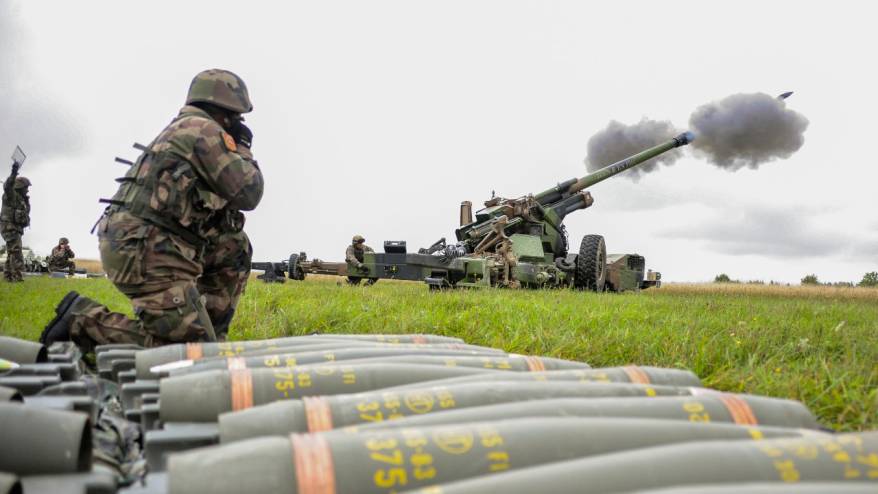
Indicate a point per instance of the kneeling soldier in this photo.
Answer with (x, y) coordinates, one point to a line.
(172, 237)
(60, 259)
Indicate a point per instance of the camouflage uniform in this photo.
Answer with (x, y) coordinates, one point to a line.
(60, 259)
(14, 218)
(226, 267)
(353, 256)
(172, 238)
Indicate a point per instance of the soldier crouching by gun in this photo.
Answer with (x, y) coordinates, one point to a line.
(60, 259)
(353, 257)
(171, 238)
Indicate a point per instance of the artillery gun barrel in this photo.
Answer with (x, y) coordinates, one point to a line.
(565, 189)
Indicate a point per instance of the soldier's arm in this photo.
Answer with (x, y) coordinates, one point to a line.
(229, 168)
(9, 184)
(366, 248)
(349, 256)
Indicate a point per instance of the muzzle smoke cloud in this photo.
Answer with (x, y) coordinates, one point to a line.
(741, 130)
(746, 130)
(618, 141)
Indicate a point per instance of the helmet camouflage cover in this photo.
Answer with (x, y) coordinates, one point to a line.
(221, 88)
(63, 241)
(358, 239)
(21, 183)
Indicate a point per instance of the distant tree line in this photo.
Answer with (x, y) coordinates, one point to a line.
(870, 279)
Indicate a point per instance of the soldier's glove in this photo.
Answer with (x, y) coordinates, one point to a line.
(362, 267)
(242, 134)
(15, 166)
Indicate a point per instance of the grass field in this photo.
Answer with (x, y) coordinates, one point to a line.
(818, 345)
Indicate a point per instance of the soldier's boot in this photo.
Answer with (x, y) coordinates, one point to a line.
(58, 328)
(221, 327)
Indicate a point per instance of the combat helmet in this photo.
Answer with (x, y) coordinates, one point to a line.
(63, 241)
(358, 239)
(221, 88)
(21, 183)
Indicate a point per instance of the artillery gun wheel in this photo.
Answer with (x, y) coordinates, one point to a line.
(591, 264)
(295, 272)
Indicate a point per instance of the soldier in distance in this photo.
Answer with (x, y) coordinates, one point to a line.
(353, 256)
(172, 237)
(60, 258)
(14, 218)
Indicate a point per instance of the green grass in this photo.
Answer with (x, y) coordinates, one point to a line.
(816, 345)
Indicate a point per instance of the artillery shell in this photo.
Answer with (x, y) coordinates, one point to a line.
(706, 408)
(417, 355)
(22, 351)
(521, 363)
(64, 445)
(822, 458)
(9, 394)
(772, 488)
(627, 374)
(203, 396)
(9, 484)
(391, 460)
(320, 413)
(147, 359)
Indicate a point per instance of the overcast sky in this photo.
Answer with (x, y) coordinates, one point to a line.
(379, 117)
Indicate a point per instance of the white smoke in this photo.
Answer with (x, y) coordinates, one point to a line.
(618, 141)
(741, 130)
(746, 130)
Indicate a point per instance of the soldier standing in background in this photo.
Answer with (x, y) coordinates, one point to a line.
(353, 256)
(14, 218)
(60, 259)
(172, 237)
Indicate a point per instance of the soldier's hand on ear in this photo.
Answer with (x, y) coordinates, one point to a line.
(242, 134)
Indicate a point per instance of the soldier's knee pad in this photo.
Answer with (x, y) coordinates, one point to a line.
(173, 314)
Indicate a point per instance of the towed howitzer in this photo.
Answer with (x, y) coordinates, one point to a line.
(519, 242)
(296, 267)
